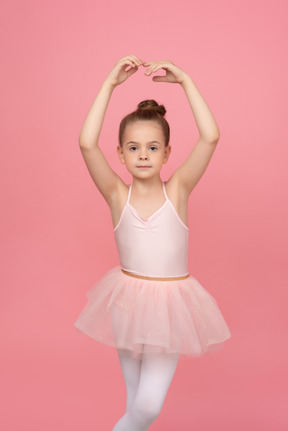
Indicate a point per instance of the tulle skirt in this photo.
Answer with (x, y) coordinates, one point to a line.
(146, 316)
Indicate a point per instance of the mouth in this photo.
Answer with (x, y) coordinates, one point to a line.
(143, 167)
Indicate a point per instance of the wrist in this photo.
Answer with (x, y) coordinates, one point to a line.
(186, 80)
(109, 85)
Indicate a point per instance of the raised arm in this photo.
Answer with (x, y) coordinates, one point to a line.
(104, 177)
(190, 172)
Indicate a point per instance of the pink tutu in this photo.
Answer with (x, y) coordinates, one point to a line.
(143, 316)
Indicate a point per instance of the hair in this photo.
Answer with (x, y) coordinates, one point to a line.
(147, 110)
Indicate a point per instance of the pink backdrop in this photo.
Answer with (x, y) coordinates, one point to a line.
(57, 235)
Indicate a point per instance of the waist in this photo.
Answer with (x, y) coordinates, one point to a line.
(144, 277)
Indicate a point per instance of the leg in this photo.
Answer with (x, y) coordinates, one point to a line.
(131, 372)
(130, 366)
(156, 374)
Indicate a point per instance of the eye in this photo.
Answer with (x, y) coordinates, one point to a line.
(133, 148)
(153, 148)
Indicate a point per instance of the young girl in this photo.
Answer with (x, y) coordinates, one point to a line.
(149, 307)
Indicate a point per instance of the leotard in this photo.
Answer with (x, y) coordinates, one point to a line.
(156, 246)
(146, 315)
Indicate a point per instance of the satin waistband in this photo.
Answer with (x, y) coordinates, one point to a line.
(144, 277)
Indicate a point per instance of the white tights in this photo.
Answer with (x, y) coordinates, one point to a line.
(147, 382)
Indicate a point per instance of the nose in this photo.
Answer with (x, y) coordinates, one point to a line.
(143, 155)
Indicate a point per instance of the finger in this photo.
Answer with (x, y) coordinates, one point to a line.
(150, 65)
(125, 63)
(160, 79)
(131, 71)
(129, 60)
(132, 66)
(154, 68)
(137, 60)
(162, 62)
(134, 59)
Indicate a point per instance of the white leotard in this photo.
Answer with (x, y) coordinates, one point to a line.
(156, 246)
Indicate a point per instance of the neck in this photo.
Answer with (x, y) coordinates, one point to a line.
(146, 185)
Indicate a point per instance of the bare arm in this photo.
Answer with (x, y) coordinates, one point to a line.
(190, 172)
(104, 177)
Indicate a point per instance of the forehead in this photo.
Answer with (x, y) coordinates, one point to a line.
(143, 131)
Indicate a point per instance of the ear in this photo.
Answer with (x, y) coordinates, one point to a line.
(167, 153)
(120, 154)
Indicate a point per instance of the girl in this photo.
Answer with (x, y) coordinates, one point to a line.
(149, 307)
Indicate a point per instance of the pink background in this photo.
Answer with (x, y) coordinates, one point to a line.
(57, 237)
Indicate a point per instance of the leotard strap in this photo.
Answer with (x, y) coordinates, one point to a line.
(164, 190)
(129, 193)
(127, 202)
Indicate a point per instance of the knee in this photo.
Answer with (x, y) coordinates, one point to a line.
(147, 411)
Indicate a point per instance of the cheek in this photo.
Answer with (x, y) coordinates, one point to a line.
(130, 156)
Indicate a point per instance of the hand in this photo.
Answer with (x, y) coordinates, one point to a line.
(173, 73)
(119, 73)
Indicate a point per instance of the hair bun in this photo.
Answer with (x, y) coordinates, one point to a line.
(152, 106)
(147, 110)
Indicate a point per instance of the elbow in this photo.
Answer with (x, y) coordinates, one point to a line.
(83, 141)
(82, 145)
(215, 138)
(85, 145)
(217, 135)
(212, 138)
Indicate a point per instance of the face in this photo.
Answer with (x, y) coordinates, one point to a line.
(143, 149)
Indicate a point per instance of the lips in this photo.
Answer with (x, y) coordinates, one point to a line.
(143, 167)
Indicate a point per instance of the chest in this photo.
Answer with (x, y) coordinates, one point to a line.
(148, 206)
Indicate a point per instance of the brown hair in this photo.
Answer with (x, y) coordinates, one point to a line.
(147, 110)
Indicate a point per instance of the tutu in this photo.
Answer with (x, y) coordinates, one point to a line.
(147, 316)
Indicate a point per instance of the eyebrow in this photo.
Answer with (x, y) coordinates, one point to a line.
(150, 142)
